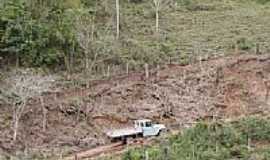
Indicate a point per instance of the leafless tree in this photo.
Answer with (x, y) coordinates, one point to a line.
(94, 43)
(85, 27)
(85, 37)
(22, 87)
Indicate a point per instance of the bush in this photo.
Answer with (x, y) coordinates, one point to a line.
(244, 44)
(262, 1)
(215, 141)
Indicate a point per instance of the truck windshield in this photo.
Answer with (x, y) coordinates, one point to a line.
(148, 124)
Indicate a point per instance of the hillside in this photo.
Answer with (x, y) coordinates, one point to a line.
(67, 76)
(220, 88)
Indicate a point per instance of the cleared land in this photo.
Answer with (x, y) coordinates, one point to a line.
(222, 88)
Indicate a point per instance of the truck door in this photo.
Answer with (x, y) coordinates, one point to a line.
(148, 129)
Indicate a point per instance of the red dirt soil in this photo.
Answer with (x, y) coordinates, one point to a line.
(178, 96)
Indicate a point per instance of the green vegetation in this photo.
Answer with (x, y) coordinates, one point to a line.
(37, 34)
(245, 139)
(262, 1)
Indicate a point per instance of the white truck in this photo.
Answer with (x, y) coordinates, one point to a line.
(142, 128)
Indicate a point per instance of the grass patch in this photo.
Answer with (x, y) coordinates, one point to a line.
(193, 27)
(215, 141)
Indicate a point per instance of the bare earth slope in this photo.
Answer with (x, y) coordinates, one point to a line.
(175, 95)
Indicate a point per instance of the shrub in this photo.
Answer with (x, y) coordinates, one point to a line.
(244, 44)
(216, 141)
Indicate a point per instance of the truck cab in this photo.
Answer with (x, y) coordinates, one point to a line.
(148, 128)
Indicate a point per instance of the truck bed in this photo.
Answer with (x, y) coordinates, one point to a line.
(124, 132)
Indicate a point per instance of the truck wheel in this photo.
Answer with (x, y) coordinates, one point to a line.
(124, 140)
(161, 133)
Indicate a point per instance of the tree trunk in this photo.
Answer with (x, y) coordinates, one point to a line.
(71, 59)
(15, 126)
(67, 65)
(17, 112)
(108, 71)
(17, 60)
(157, 18)
(86, 61)
(44, 114)
(146, 67)
(117, 19)
(127, 68)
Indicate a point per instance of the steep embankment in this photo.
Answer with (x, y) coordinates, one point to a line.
(178, 96)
